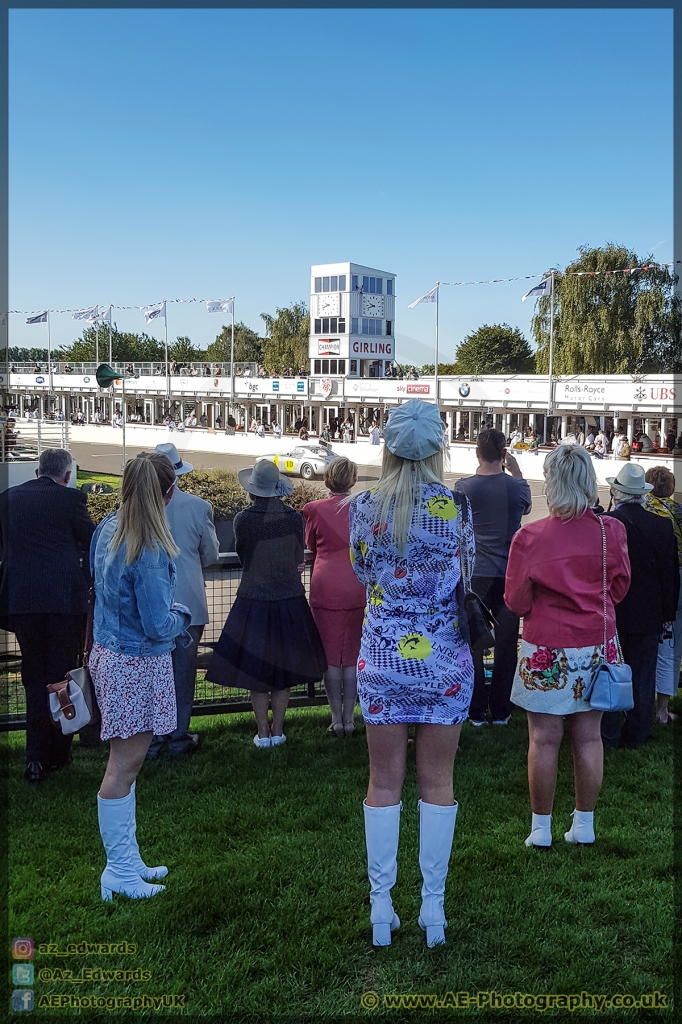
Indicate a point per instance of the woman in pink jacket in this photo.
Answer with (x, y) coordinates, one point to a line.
(555, 583)
(337, 599)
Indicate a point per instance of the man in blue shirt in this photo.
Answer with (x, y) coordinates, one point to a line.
(498, 501)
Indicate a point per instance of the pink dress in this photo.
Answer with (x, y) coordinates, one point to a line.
(337, 599)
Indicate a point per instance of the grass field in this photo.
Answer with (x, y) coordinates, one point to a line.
(266, 908)
(84, 477)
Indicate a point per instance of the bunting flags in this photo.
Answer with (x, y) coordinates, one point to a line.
(220, 305)
(154, 312)
(429, 297)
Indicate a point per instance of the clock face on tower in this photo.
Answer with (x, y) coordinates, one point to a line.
(328, 305)
(372, 305)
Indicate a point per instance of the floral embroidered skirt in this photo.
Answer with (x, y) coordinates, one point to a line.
(551, 680)
(134, 694)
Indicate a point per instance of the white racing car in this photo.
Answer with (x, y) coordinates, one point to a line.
(306, 460)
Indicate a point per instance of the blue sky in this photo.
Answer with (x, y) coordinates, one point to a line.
(202, 153)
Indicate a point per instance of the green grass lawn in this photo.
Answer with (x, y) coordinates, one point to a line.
(266, 910)
(84, 477)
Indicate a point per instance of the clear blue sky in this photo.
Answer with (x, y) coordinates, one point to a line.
(172, 154)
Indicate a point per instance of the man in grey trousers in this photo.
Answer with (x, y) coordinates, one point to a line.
(191, 524)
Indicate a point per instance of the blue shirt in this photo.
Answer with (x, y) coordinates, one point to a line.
(497, 503)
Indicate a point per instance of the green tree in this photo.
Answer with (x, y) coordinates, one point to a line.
(126, 347)
(287, 336)
(183, 351)
(248, 347)
(26, 355)
(444, 369)
(611, 322)
(494, 348)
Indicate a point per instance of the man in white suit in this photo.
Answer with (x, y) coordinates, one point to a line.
(191, 524)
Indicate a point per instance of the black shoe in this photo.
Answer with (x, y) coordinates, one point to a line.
(188, 748)
(34, 772)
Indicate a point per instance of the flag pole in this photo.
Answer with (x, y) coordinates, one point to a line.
(436, 352)
(97, 335)
(49, 352)
(165, 349)
(551, 357)
(232, 360)
(123, 412)
(110, 356)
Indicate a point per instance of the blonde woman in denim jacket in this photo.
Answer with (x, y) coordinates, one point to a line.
(135, 627)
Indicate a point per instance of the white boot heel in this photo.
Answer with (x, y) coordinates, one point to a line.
(540, 832)
(581, 832)
(120, 874)
(382, 830)
(436, 833)
(149, 874)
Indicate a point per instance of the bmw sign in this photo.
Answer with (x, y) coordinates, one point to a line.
(464, 390)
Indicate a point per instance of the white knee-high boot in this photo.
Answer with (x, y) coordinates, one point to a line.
(119, 874)
(436, 832)
(149, 874)
(382, 829)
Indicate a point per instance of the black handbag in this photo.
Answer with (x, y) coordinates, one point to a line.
(476, 621)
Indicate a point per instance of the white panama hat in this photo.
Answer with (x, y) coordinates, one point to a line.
(631, 480)
(172, 453)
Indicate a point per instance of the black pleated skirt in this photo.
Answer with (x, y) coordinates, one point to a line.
(268, 645)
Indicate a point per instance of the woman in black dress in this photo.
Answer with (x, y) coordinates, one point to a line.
(269, 642)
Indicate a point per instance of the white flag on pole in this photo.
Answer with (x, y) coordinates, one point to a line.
(429, 297)
(102, 315)
(153, 312)
(89, 314)
(220, 305)
(544, 288)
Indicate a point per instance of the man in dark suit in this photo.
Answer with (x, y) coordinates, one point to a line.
(649, 605)
(45, 533)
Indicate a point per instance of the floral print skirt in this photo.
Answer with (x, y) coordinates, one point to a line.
(551, 680)
(134, 694)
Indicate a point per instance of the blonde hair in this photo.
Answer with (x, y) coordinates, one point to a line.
(570, 481)
(340, 475)
(142, 514)
(400, 485)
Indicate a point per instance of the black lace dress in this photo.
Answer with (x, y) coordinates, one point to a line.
(270, 641)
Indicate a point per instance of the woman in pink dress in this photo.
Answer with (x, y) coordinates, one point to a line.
(337, 599)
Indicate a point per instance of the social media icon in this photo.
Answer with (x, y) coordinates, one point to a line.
(22, 974)
(22, 949)
(22, 999)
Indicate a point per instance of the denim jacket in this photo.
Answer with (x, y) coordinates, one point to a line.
(133, 603)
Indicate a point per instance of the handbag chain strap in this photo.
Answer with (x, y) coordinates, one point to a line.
(465, 568)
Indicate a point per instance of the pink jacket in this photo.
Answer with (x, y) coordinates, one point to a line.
(554, 579)
(333, 584)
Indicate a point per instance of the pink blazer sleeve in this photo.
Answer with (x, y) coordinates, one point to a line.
(619, 560)
(518, 590)
(310, 529)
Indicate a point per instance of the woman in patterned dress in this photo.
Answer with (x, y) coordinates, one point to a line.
(555, 583)
(414, 666)
(134, 630)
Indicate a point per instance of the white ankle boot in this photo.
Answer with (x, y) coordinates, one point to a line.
(382, 829)
(149, 874)
(540, 832)
(436, 832)
(581, 831)
(120, 874)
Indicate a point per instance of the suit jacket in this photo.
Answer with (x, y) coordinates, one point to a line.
(45, 533)
(191, 524)
(655, 586)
